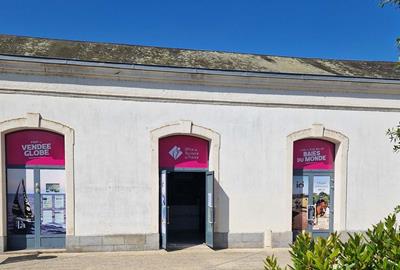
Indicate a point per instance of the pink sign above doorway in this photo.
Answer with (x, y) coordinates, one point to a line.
(34, 147)
(313, 154)
(182, 151)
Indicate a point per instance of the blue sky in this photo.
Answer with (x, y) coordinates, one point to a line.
(340, 29)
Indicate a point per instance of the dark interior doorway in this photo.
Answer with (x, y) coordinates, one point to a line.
(186, 201)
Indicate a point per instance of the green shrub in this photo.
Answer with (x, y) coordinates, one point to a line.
(378, 248)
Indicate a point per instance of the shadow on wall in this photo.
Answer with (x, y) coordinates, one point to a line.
(222, 218)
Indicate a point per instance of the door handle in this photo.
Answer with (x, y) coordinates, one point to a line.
(37, 188)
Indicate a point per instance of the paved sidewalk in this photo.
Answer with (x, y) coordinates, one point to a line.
(199, 258)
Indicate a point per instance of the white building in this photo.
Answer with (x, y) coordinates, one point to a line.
(116, 147)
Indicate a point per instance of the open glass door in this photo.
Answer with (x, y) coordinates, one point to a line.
(164, 209)
(210, 209)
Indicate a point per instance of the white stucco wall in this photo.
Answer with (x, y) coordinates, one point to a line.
(113, 193)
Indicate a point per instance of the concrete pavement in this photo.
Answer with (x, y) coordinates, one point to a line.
(187, 259)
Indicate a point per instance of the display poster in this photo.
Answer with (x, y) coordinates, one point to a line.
(34, 147)
(321, 201)
(52, 184)
(163, 203)
(59, 201)
(180, 151)
(59, 217)
(47, 201)
(300, 203)
(313, 154)
(20, 201)
(52, 187)
(47, 217)
(209, 200)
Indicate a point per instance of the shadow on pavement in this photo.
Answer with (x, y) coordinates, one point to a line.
(26, 258)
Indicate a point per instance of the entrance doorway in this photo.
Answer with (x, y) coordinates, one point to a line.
(36, 208)
(187, 216)
(313, 203)
(186, 192)
(313, 187)
(186, 206)
(36, 203)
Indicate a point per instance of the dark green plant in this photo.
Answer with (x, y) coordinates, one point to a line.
(394, 136)
(320, 253)
(271, 263)
(378, 248)
(355, 253)
(384, 241)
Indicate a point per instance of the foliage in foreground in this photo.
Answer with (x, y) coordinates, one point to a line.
(378, 248)
(394, 136)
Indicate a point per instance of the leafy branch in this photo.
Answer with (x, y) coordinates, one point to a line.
(394, 136)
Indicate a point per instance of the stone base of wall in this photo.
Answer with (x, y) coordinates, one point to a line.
(252, 240)
(113, 242)
(3, 243)
(260, 240)
(344, 235)
(151, 242)
(281, 239)
(238, 240)
(139, 242)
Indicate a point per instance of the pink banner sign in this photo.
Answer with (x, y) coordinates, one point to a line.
(34, 147)
(313, 154)
(180, 151)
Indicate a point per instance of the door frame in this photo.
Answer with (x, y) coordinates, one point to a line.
(177, 170)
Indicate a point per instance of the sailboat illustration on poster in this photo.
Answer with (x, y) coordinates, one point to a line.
(23, 216)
